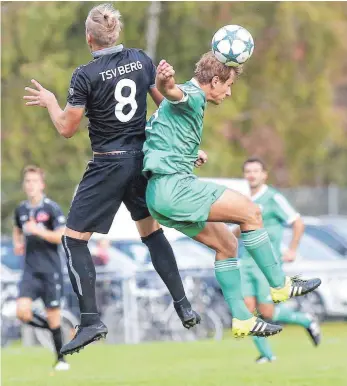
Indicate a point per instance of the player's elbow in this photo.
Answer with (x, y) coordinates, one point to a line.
(67, 132)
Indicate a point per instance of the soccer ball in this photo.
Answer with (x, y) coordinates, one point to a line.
(232, 45)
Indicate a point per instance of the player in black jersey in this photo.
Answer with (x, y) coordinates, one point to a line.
(37, 231)
(112, 91)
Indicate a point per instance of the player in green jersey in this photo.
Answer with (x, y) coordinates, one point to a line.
(199, 209)
(276, 212)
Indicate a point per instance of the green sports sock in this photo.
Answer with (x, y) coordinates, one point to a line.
(263, 346)
(259, 247)
(284, 314)
(228, 276)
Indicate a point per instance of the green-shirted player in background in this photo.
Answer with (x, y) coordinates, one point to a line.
(276, 212)
(178, 199)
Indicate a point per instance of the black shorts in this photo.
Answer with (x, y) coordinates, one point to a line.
(47, 286)
(108, 181)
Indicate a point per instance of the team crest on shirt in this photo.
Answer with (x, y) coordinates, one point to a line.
(42, 216)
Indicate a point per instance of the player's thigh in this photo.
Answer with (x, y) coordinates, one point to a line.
(218, 237)
(53, 317)
(98, 196)
(135, 194)
(234, 207)
(29, 290)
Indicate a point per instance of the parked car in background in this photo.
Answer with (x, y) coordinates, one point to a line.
(328, 233)
(8, 258)
(316, 259)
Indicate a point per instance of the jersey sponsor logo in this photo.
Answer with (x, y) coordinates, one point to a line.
(121, 70)
(42, 216)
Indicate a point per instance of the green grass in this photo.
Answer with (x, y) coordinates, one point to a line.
(209, 363)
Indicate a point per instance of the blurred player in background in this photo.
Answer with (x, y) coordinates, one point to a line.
(276, 213)
(112, 90)
(199, 209)
(38, 228)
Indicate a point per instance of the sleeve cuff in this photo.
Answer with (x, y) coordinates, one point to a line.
(184, 99)
(76, 105)
(293, 218)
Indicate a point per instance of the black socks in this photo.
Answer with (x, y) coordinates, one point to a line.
(58, 341)
(82, 275)
(164, 262)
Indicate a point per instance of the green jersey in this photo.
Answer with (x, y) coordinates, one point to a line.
(276, 212)
(173, 133)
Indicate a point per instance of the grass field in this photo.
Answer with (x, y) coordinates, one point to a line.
(208, 363)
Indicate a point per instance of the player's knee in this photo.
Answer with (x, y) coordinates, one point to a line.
(24, 314)
(254, 216)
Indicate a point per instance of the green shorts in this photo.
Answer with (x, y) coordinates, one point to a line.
(181, 201)
(254, 283)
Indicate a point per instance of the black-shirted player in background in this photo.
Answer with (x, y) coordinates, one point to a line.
(37, 231)
(112, 91)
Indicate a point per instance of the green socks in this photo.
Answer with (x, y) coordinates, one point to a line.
(284, 314)
(263, 346)
(228, 276)
(259, 247)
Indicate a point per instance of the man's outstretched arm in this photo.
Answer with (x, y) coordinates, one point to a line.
(165, 82)
(66, 121)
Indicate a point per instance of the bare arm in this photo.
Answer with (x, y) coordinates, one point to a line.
(18, 241)
(165, 82)
(156, 95)
(66, 121)
(298, 230)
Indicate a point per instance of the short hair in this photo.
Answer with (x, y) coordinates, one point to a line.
(255, 160)
(209, 66)
(104, 25)
(33, 169)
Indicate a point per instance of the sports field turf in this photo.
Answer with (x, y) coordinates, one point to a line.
(209, 363)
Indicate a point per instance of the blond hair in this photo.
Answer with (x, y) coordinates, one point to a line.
(104, 25)
(34, 169)
(209, 66)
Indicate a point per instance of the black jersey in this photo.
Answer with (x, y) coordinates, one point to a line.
(113, 89)
(40, 255)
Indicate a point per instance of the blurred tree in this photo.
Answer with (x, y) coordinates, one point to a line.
(282, 108)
